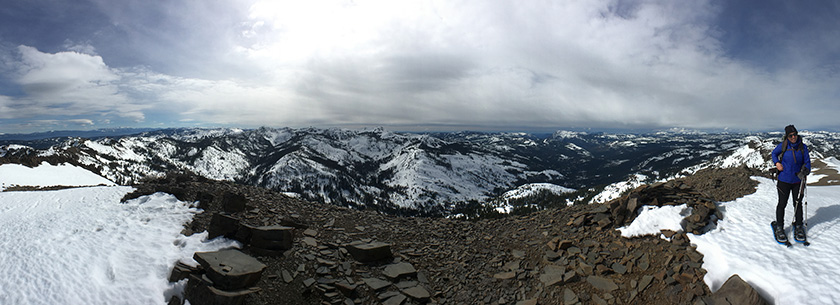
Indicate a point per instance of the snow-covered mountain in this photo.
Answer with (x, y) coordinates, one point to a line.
(48, 235)
(426, 173)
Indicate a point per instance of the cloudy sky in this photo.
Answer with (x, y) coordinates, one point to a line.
(419, 65)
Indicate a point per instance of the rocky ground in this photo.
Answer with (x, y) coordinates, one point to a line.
(572, 255)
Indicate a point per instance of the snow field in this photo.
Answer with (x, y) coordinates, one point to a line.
(653, 219)
(82, 246)
(48, 175)
(742, 244)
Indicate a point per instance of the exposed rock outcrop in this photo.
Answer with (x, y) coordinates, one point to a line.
(571, 255)
(736, 291)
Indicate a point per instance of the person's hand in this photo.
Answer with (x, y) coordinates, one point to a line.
(779, 166)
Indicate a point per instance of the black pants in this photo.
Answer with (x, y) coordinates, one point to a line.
(785, 189)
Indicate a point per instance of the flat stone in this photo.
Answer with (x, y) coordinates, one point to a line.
(287, 277)
(398, 299)
(396, 271)
(569, 296)
(603, 284)
(504, 275)
(644, 262)
(598, 300)
(552, 275)
(310, 232)
(387, 295)
(585, 269)
(418, 293)
(309, 241)
(619, 268)
(346, 288)
(376, 284)
(570, 276)
(230, 269)
(369, 252)
(512, 266)
(308, 282)
(406, 284)
(643, 284)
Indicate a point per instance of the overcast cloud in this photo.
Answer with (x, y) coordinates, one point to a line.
(419, 65)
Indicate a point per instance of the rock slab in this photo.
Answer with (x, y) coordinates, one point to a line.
(272, 237)
(736, 291)
(369, 252)
(230, 269)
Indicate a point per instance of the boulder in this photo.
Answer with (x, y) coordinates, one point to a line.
(222, 224)
(369, 252)
(736, 291)
(204, 199)
(181, 271)
(233, 202)
(272, 237)
(230, 269)
(201, 291)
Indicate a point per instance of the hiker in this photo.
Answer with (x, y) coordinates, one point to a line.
(792, 160)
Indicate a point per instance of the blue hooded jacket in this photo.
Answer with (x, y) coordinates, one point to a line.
(795, 156)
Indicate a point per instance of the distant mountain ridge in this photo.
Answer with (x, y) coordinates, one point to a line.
(413, 173)
(96, 133)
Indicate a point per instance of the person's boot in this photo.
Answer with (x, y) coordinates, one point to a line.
(779, 233)
(799, 233)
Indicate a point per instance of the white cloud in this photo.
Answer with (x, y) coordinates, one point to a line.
(69, 84)
(473, 63)
(484, 63)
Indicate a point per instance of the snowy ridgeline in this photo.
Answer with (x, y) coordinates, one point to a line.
(48, 175)
(82, 246)
(419, 172)
(742, 244)
(754, 154)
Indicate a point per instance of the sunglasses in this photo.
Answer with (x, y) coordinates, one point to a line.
(792, 135)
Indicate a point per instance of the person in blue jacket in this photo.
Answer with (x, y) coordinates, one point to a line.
(793, 162)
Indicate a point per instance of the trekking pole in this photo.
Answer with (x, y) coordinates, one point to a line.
(804, 171)
(803, 175)
(805, 206)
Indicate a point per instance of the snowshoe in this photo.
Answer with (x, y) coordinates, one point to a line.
(799, 234)
(779, 234)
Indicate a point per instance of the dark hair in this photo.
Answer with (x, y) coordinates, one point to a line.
(789, 129)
